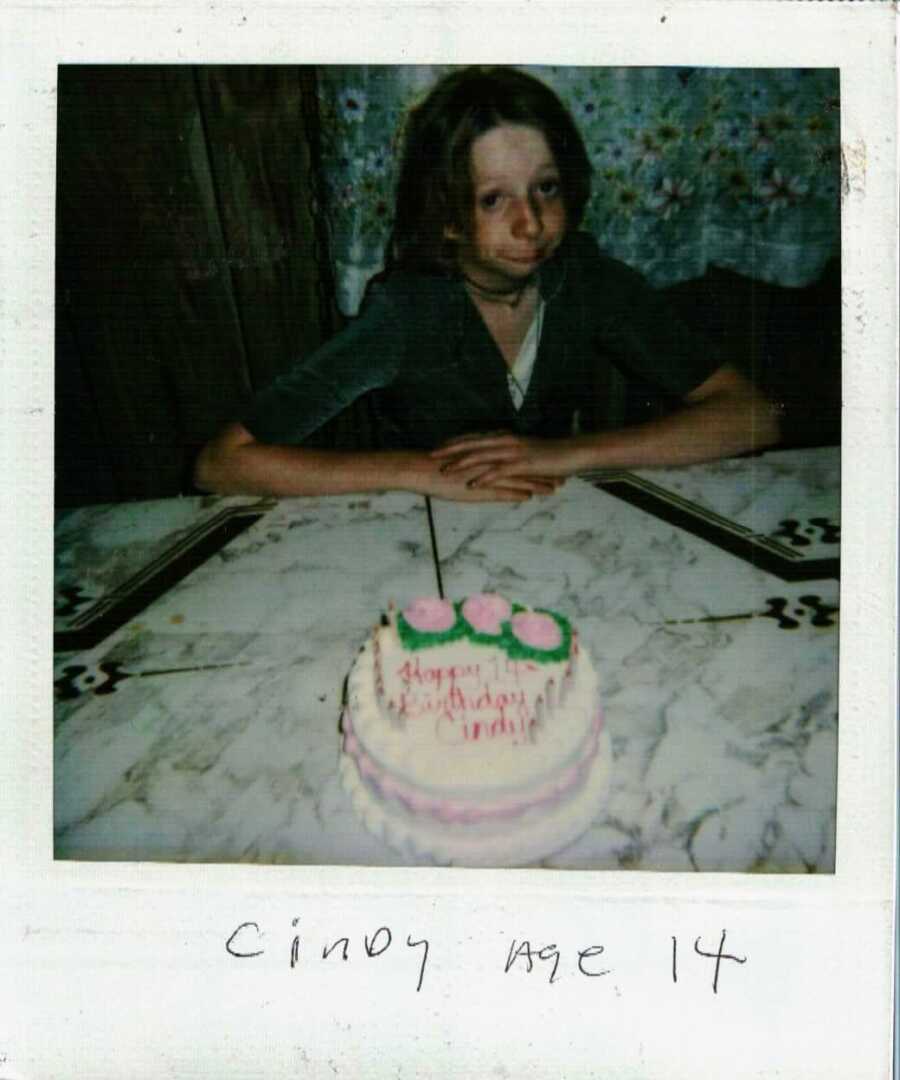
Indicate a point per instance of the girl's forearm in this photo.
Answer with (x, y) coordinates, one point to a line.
(714, 428)
(235, 463)
(261, 469)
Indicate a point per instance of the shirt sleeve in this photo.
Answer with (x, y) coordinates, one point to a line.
(366, 355)
(640, 332)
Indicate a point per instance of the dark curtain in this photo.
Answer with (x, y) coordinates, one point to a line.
(190, 267)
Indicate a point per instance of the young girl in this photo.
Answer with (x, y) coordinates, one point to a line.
(495, 330)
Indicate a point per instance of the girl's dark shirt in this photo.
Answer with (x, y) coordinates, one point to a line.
(422, 350)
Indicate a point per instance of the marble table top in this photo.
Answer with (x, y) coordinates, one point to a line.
(202, 644)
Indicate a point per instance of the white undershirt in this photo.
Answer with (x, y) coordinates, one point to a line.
(519, 376)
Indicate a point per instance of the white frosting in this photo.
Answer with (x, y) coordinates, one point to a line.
(461, 718)
(536, 834)
(457, 752)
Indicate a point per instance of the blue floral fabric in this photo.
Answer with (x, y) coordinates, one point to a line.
(693, 167)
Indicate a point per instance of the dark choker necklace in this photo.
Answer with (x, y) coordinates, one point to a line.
(511, 296)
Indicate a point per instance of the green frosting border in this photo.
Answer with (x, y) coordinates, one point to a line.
(413, 639)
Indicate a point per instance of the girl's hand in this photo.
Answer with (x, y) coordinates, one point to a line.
(500, 458)
(429, 476)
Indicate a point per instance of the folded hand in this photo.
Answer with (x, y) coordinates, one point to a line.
(469, 485)
(500, 458)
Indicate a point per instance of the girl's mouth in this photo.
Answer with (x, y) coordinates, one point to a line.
(526, 260)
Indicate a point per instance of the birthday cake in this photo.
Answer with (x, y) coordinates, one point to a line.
(472, 732)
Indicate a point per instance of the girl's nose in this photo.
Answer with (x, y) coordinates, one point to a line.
(527, 221)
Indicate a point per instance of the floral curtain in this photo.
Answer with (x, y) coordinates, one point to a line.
(693, 167)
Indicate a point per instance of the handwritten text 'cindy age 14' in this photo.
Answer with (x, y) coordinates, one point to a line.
(246, 943)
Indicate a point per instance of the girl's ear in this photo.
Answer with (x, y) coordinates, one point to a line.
(452, 233)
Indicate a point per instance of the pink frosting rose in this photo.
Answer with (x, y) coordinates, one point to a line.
(536, 630)
(485, 612)
(430, 615)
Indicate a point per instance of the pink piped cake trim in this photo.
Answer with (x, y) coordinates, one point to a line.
(429, 614)
(455, 811)
(537, 630)
(485, 612)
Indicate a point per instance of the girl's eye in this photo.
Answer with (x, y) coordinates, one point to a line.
(489, 201)
(548, 188)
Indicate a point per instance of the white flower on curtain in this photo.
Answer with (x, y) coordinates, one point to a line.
(353, 104)
(779, 192)
(671, 197)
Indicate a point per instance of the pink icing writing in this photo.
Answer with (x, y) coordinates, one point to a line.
(430, 615)
(497, 713)
(537, 630)
(468, 701)
(437, 675)
(485, 612)
(417, 672)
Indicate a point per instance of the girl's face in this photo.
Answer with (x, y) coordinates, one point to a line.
(519, 216)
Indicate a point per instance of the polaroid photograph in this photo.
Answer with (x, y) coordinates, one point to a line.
(451, 534)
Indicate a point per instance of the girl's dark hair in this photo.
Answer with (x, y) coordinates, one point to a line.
(434, 189)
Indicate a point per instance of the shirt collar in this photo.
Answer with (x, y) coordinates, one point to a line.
(552, 275)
